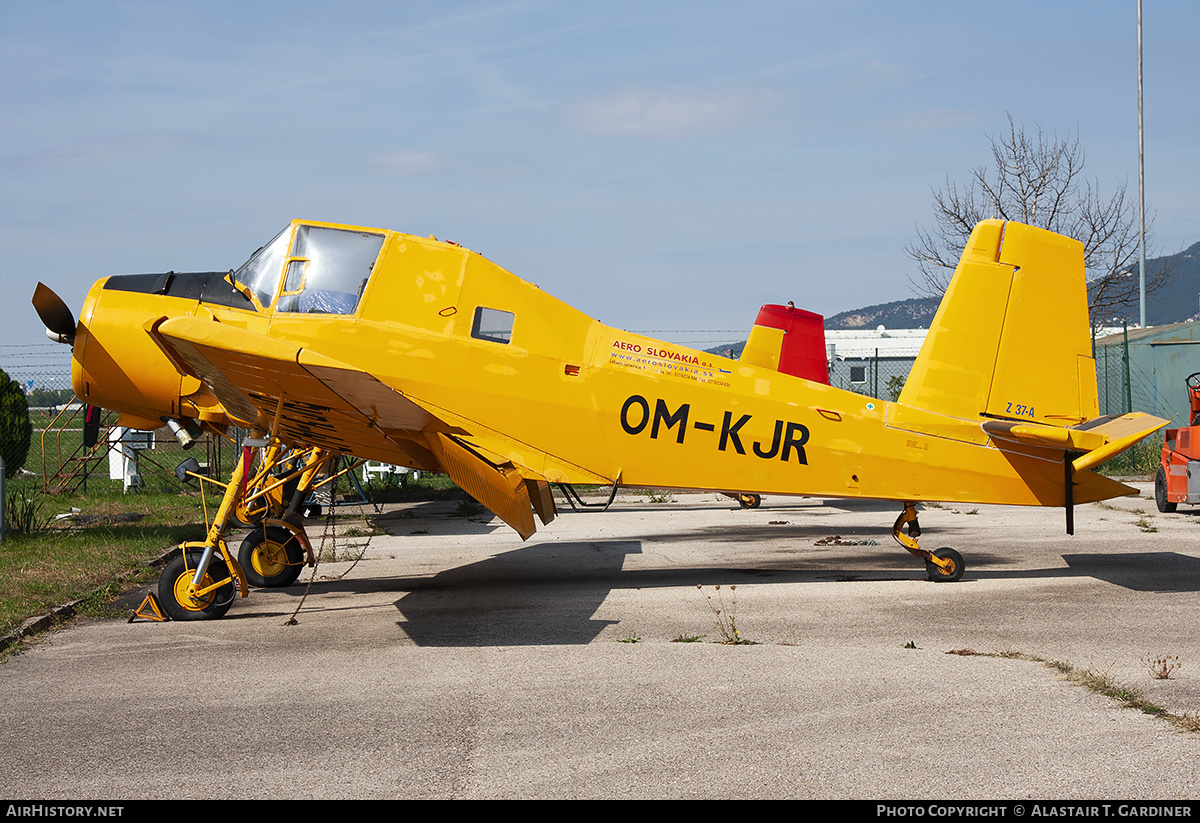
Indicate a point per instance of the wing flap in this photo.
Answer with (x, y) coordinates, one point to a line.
(501, 488)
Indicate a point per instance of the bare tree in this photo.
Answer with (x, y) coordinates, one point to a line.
(1039, 180)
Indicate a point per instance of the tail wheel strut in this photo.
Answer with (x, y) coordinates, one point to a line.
(942, 566)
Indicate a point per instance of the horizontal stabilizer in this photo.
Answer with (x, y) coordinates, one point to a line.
(1099, 439)
(1120, 433)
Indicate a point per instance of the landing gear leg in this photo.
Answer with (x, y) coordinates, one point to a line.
(202, 582)
(942, 566)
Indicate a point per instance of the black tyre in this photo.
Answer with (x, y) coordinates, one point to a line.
(1160, 492)
(950, 574)
(749, 501)
(173, 588)
(271, 557)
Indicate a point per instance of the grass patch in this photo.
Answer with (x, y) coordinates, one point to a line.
(1141, 460)
(41, 571)
(110, 537)
(105, 544)
(1105, 684)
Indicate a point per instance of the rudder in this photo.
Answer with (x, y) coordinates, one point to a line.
(1010, 339)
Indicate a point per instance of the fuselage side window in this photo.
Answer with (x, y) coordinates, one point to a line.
(328, 270)
(492, 324)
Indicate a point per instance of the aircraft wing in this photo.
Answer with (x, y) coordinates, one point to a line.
(305, 397)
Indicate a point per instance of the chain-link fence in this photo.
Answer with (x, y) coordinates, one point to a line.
(1144, 371)
(60, 461)
(878, 377)
(67, 458)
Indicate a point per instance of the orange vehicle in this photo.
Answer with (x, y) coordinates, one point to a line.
(1178, 477)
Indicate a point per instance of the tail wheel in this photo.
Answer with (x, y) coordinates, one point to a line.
(947, 574)
(1160, 491)
(271, 557)
(749, 501)
(175, 579)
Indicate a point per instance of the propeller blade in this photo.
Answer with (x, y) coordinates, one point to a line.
(59, 321)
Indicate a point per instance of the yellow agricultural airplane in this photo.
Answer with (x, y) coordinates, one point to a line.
(341, 340)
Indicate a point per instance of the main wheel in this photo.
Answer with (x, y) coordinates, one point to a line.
(951, 573)
(1160, 492)
(271, 557)
(177, 576)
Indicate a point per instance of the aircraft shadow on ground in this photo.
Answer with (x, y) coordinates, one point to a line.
(548, 593)
(437, 517)
(1147, 572)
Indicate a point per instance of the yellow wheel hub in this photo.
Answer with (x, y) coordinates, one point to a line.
(269, 559)
(192, 604)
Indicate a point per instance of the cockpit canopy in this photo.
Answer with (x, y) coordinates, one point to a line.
(312, 269)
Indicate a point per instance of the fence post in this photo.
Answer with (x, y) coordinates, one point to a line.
(2, 498)
(1128, 385)
(876, 393)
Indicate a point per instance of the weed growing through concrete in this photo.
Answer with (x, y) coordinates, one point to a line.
(630, 637)
(1161, 666)
(1103, 683)
(371, 530)
(726, 617)
(661, 497)
(469, 508)
(330, 553)
(687, 638)
(910, 645)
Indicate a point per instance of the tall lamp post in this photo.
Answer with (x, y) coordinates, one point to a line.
(1141, 184)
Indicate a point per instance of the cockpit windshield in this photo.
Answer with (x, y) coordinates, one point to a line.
(260, 273)
(325, 273)
(328, 270)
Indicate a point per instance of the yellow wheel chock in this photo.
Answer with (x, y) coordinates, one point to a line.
(149, 610)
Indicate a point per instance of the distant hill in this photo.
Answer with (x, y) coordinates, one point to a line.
(1175, 302)
(1179, 299)
(914, 313)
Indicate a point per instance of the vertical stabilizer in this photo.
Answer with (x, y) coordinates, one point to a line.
(1011, 338)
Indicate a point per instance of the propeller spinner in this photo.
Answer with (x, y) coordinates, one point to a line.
(59, 321)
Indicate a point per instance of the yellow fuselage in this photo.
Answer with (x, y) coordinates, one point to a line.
(559, 395)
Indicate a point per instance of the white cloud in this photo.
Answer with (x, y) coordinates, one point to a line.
(672, 113)
(409, 162)
(875, 74)
(940, 119)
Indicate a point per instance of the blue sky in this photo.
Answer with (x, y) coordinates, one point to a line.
(661, 166)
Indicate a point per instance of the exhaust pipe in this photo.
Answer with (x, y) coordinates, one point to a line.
(185, 433)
